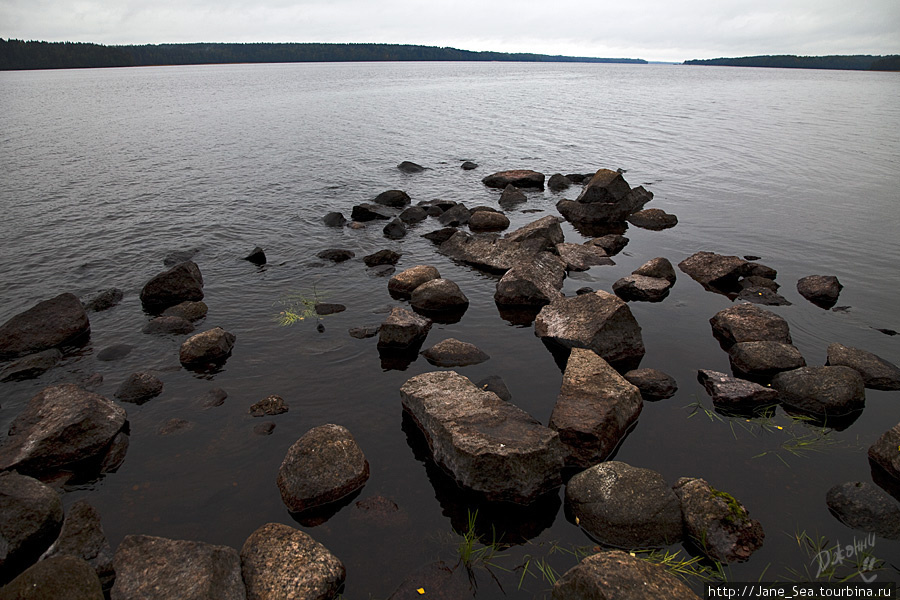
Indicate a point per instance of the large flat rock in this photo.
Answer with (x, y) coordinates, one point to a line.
(48, 324)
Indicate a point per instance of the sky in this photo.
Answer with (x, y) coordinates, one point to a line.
(655, 30)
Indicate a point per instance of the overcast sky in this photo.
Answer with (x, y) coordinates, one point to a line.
(668, 30)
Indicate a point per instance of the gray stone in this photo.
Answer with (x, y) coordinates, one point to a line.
(884, 452)
(876, 372)
(323, 466)
(484, 220)
(579, 257)
(58, 578)
(654, 384)
(642, 288)
(653, 219)
(749, 323)
(257, 256)
(594, 410)
(438, 295)
(612, 243)
(368, 211)
(764, 359)
(754, 281)
(821, 290)
(827, 391)
(600, 213)
(362, 333)
(761, 295)
(606, 187)
(558, 182)
(865, 507)
(543, 234)
(190, 311)
(175, 426)
(382, 257)
(168, 325)
(456, 215)
(512, 196)
(440, 582)
(104, 300)
(180, 283)
(441, 235)
(268, 406)
(454, 353)
(413, 214)
(82, 536)
(393, 198)
(657, 267)
(759, 270)
(732, 392)
(334, 219)
(48, 324)
(114, 352)
(210, 347)
(402, 329)
(336, 254)
(328, 308)
(715, 271)
(31, 515)
(533, 282)
(395, 230)
(468, 165)
(625, 506)
(486, 444)
(264, 428)
(155, 568)
(410, 167)
(495, 384)
(405, 282)
(31, 366)
(139, 388)
(488, 254)
(521, 178)
(214, 397)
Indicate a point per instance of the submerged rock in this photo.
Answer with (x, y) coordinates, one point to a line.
(368, 211)
(382, 257)
(82, 536)
(454, 353)
(336, 254)
(410, 167)
(48, 324)
(104, 300)
(468, 165)
(334, 219)
(180, 283)
(876, 372)
(31, 366)
(521, 178)
(270, 405)
(393, 198)
(190, 311)
(821, 290)
(512, 196)
(257, 256)
(615, 574)
(168, 325)
(826, 391)
(732, 392)
(139, 388)
(761, 295)
(748, 323)
(31, 515)
(653, 384)
(865, 507)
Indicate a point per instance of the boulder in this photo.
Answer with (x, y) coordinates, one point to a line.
(180, 283)
(382, 257)
(257, 256)
(404, 283)
(826, 391)
(368, 211)
(732, 392)
(268, 406)
(865, 507)
(884, 452)
(155, 568)
(605, 187)
(323, 466)
(487, 445)
(60, 426)
(558, 182)
(58, 578)
(488, 254)
(456, 215)
(748, 323)
(454, 353)
(334, 219)
(653, 219)
(484, 220)
(210, 347)
(280, 562)
(612, 243)
(393, 198)
(533, 282)
(190, 311)
(402, 329)
(599, 212)
(594, 410)
(495, 384)
(168, 325)
(437, 295)
(642, 288)
(653, 384)
(31, 366)
(717, 522)
(624, 506)
(512, 196)
(762, 360)
(543, 234)
(440, 236)
(613, 574)
(579, 257)
(103, 300)
(756, 269)
(754, 281)
(82, 537)
(713, 271)
(521, 178)
(48, 324)
(600, 322)
(410, 167)
(394, 230)
(657, 267)
(139, 388)
(876, 372)
(821, 290)
(31, 515)
(468, 165)
(413, 214)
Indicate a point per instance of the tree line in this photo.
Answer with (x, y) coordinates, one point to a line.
(19, 55)
(859, 62)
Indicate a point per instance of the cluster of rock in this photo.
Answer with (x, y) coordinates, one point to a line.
(650, 282)
(606, 198)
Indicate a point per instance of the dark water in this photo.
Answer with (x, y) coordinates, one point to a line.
(105, 172)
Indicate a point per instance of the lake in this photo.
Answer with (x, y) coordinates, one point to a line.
(103, 173)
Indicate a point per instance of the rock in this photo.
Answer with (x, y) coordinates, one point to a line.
(104, 300)
(395, 230)
(180, 283)
(876, 372)
(594, 410)
(495, 384)
(731, 392)
(612, 243)
(31, 515)
(441, 235)
(438, 581)
(403, 329)
(625, 506)
(114, 352)
(190, 311)
(155, 568)
(763, 359)
(413, 215)
(270, 405)
(174, 426)
(393, 198)
(512, 196)
(749, 323)
(753, 281)
(336, 254)
(58, 578)
(455, 216)
(865, 507)
(210, 347)
(321, 467)
(606, 187)
(653, 219)
(404, 283)
(214, 397)
(410, 167)
(488, 254)
(368, 211)
(558, 182)
(642, 288)
(584, 290)
(468, 165)
(381, 271)
(613, 574)
(60, 426)
(257, 256)
(139, 388)
(604, 212)
(48, 324)
(521, 178)
(828, 391)
(821, 290)
(454, 353)
(362, 333)
(534, 282)
(280, 562)
(884, 452)
(382, 257)
(713, 271)
(438, 295)
(484, 220)
(264, 428)
(719, 523)
(170, 325)
(579, 257)
(328, 308)
(487, 445)
(31, 366)
(334, 219)
(657, 267)
(82, 537)
(653, 384)
(756, 269)
(179, 256)
(600, 322)
(543, 234)
(762, 295)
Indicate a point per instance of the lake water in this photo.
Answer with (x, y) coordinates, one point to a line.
(103, 173)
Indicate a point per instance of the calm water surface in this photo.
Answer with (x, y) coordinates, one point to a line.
(103, 173)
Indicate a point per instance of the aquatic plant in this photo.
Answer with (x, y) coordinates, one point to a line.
(297, 307)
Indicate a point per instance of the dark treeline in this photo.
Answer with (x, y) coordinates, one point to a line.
(851, 63)
(17, 54)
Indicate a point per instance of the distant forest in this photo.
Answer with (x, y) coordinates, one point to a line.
(850, 63)
(19, 55)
